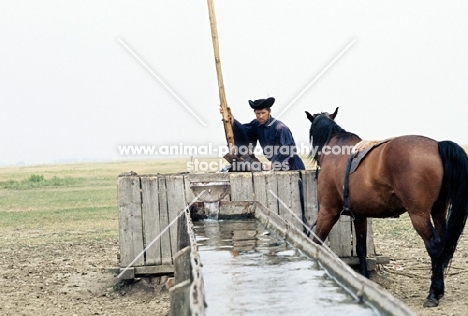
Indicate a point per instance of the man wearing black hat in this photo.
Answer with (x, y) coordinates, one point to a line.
(274, 136)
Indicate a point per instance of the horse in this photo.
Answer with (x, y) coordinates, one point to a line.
(412, 173)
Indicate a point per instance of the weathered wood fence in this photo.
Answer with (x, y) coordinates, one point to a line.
(149, 203)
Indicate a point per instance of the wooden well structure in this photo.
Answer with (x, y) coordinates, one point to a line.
(147, 204)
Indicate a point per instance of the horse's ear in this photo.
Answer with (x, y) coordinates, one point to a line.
(334, 113)
(309, 116)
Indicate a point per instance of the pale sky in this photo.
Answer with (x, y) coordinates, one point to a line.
(69, 89)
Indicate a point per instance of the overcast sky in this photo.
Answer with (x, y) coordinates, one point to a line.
(69, 88)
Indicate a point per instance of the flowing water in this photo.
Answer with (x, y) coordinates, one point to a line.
(248, 271)
(212, 210)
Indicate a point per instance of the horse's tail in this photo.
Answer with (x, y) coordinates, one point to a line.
(455, 188)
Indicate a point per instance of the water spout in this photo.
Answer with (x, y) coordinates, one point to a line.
(213, 192)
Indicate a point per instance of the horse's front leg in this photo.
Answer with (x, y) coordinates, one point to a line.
(326, 219)
(360, 225)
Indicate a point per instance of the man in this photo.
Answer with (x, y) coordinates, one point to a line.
(274, 136)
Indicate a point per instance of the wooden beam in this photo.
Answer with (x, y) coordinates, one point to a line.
(130, 220)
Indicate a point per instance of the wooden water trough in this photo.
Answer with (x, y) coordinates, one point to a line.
(188, 295)
(147, 204)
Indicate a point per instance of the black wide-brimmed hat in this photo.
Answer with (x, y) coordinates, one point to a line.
(262, 103)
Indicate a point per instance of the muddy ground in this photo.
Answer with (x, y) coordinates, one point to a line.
(71, 278)
(407, 276)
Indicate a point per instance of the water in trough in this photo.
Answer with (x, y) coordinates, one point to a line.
(248, 271)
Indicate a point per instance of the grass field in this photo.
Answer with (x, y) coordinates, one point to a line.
(42, 203)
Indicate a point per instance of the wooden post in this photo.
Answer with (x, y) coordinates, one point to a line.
(222, 95)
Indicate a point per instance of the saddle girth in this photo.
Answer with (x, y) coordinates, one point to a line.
(346, 184)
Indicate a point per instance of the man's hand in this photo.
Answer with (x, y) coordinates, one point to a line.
(231, 117)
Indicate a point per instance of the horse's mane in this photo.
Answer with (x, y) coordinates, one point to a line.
(322, 130)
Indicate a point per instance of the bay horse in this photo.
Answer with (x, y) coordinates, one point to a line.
(414, 174)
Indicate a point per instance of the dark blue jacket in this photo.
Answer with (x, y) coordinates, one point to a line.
(276, 140)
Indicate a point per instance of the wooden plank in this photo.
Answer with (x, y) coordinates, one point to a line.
(130, 220)
(180, 299)
(271, 183)
(241, 186)
(284, 195)
(278, 224)
(369, 240)
(295, 198)
(150, 204)
(310, 196)
(236, 209)
(259, 187)
(157, 270)
(166, 252)
(183, 238)
(189, 196)
(127, 274)
(288, 193)
(209, 177)
(182, 269)
(175, 204)
(227, 210)
(340, 237)
(263, 183)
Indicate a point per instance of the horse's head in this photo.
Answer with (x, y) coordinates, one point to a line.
(321, 120)
(322, 128)
(326, 114)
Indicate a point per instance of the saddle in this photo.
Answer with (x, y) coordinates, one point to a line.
(361, 149)
(358, 153)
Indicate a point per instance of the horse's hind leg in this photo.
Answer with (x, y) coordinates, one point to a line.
(439, 212)
(439, 216)
(423, 226)
(360, 225)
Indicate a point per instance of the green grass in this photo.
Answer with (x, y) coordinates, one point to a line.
(396, 228)
(38, 181)
(66, 202)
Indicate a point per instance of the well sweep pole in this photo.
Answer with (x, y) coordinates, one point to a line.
(222, 95)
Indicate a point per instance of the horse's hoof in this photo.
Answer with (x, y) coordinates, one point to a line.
(431, 303)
